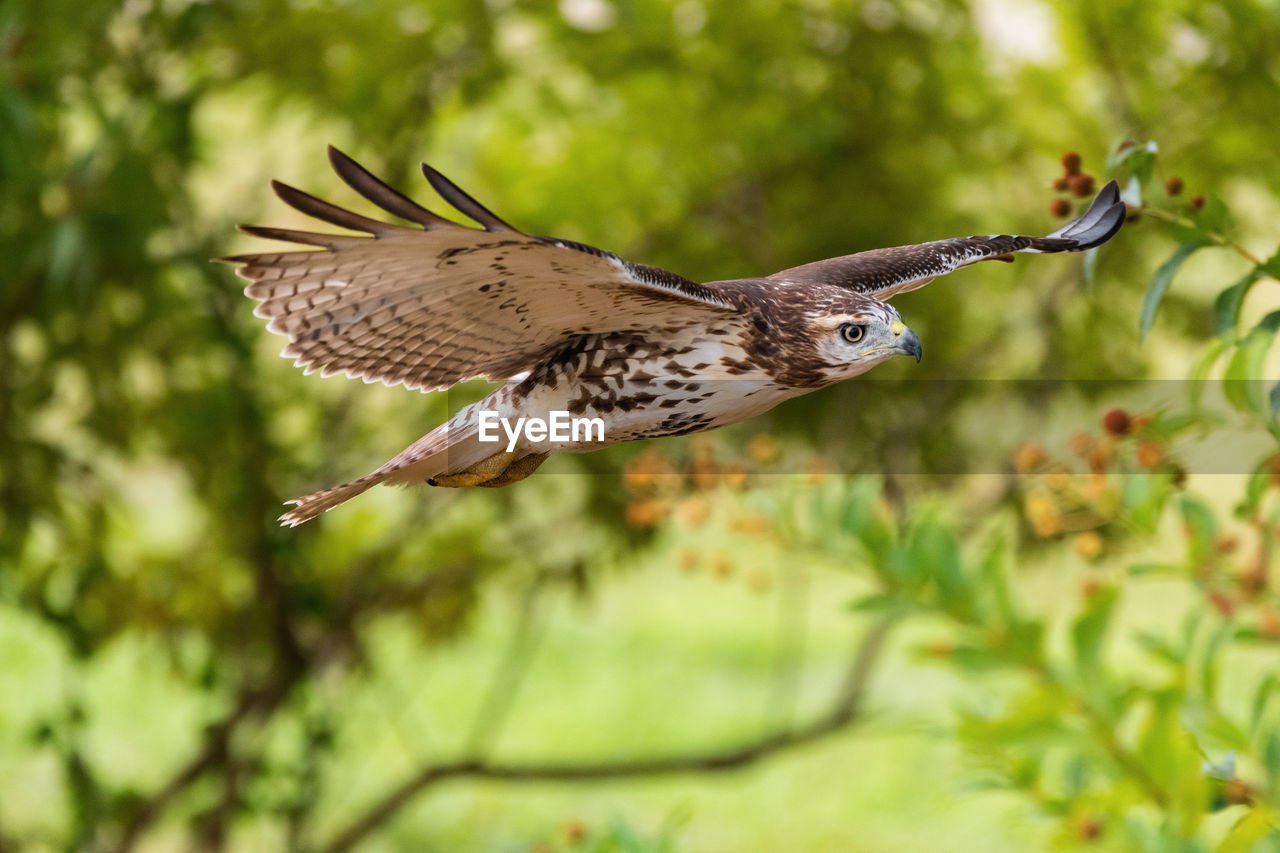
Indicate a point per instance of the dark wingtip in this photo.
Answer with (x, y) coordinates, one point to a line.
(461, 200)
(1098, 224)
(339, 159)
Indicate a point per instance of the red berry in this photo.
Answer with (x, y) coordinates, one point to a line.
(1060, 185)
(1081, 185)
(1071, 163)
(1117, 422)
(1173, 186)
(1197, 202)
(1132, 213)
(1090, 829)
(1149, 454)
(1060, 208)
(1222, 603)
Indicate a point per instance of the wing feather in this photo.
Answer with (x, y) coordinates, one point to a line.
(453, 194)
(430, 307)
(364, 182)
(884, 273)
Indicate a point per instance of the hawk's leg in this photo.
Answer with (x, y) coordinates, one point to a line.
(497, 470)
(517, 471)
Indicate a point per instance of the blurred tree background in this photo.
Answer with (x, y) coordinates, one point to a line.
(646, 648)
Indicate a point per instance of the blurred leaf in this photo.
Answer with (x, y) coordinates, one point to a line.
(1090, 269)
(1261, 697)
(1201, 525)
(1144, 497)
(1247, 831)
(1169, 569)
(934, 549)
(1255, 489)
(1226, 306)
(1243, 384)
(1213, 216)
(867, 520)
(993, 581)
(1271, 266)
(1090, 629)
(1200, 370)
(1159, 283)
(1159, 647)
(1210, 659)
(1139, 159)
(964, 656)
(1271, 757)
(878, 602)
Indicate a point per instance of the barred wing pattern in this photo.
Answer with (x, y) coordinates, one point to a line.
(431, 306)
(884, 273)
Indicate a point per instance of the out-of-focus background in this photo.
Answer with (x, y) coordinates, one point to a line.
(823, 630)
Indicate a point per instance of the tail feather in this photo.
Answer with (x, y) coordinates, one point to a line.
(447, 449)
(309, 506)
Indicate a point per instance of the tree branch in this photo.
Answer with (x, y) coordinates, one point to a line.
(213, 754)
(844, 710)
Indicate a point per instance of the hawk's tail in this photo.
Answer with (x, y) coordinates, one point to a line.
(447, 448)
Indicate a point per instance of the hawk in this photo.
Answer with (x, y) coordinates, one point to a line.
(567, 327)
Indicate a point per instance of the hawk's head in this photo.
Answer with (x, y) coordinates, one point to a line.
(820, 334)
(856, 334)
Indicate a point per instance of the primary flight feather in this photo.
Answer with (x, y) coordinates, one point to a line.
(571, 328)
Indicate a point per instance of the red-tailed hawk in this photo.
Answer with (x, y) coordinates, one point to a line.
(575, 332)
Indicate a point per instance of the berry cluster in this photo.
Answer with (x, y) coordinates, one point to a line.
(665, 490)
(1091, 508)
(1073, 181)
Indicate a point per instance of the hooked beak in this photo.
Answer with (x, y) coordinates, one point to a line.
(905, 341)
(909, 344)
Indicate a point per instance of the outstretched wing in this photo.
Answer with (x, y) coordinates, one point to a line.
(884, 273)
(431, 306)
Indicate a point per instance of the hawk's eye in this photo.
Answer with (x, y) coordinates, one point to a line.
(853, 332)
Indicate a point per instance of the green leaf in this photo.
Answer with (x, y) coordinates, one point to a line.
(877, 602)
(1159, 569)
(1211, 657)
(1213, 216)
(1243, 378)
(1271, 266)
(1246, 832)
(993, 582)
(1201, 524)
(1271, 757)
(1255, 488)
(1160, 283)
(1200, 370)
(1226, 307)
(935, 552)
(1090, 269)
(1159, 647)
(1090, 630)
(1145, 497)
(1139, 158)
(865, 519)
(1261, 697)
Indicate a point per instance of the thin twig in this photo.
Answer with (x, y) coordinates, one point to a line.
(1217, 238)
(843, 711)
(214, 754)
